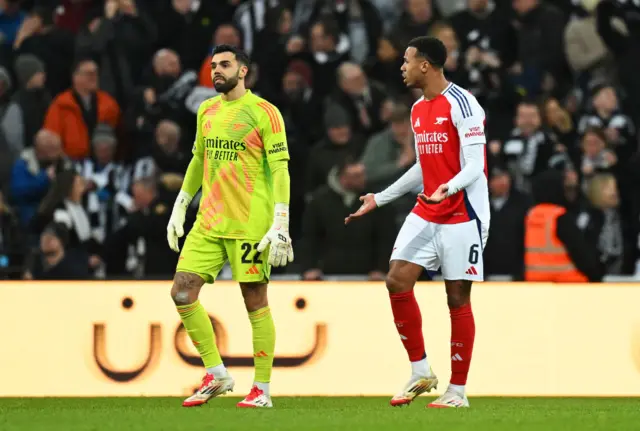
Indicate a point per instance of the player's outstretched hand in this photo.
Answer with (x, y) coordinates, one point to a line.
(437, 196)
(368, 205)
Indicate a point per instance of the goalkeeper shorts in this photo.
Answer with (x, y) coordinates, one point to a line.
(205, 256)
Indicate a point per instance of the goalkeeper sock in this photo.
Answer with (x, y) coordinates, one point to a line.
(408, 320)
(264, 344)
(463, 332)
(198, 325)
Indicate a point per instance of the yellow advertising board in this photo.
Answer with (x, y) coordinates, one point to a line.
(125, 339)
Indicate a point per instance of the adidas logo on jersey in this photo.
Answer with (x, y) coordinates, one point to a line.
(417, 123)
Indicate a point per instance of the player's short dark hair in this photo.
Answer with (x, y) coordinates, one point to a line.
(431, 49)
(241, 56)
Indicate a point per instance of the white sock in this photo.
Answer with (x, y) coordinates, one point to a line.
(458, 389)
(264, 387)
(219, 371)
(420, 368)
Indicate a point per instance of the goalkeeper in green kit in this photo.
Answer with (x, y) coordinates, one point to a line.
(240, 158)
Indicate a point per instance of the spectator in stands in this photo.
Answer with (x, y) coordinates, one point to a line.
(559, 122)
(106, 199)
(358, 20)
(614, 241)
(169, 157)
(145, 232)
(596, 156)
(185, 27)
(388, 155)
(12, 243)
(270, 54)
(300, 105)
(53, 262)
(480, 25)
(555, 248)
(624, 42)
(416, 20)
(454, 68)
(361, 249)
(168, 92)
(538, 34)
(11, 18)
(40, 36)
(327, 51)
(605, 114)
(33, 172)
(26, 111)
(587, 54)
(9, 154)
(339, 143)
(120, 39)
(64, 204)
(504, 252)
(530, 150)
(361, 98)
(386, 66)
(74, 114)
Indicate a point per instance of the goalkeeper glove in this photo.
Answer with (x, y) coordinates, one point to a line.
(175, 228)
(280, 250)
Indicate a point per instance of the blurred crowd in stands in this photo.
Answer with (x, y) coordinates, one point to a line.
(98, 102)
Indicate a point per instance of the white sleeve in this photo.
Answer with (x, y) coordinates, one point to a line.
(411, 180)
(468, 117)
(473, 168)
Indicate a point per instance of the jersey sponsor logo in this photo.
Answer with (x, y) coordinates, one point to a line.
(440, 120)
(417, 123)
(223, 149)
(473, 132)
(429, 149)
(277, 148)
(426, 137)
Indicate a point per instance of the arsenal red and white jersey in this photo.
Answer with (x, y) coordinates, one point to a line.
(442, 127)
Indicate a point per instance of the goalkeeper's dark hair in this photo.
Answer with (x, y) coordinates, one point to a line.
(240, 55)
(431, 49)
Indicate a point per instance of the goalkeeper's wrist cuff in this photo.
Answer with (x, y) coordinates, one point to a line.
(183, 200)
(281, 215)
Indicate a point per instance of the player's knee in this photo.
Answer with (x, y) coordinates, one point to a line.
(396, 283)
(458, 295)
(254, 295)
(186, 288)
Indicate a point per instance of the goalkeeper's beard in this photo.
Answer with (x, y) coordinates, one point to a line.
(227, 84)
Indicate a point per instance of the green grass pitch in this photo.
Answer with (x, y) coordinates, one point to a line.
(316, 413)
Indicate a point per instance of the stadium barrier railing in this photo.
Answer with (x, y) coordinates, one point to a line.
(334, 338)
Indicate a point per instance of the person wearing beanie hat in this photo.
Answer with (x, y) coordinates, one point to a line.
(27, 66)
(339, 142)
(449, 226)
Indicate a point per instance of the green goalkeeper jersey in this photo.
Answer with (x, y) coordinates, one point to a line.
(239, 142)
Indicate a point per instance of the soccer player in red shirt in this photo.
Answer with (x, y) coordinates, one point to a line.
(449, 225)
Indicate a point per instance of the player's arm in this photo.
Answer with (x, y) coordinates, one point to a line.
(470, 125)
(274, 138)
(190, 186)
